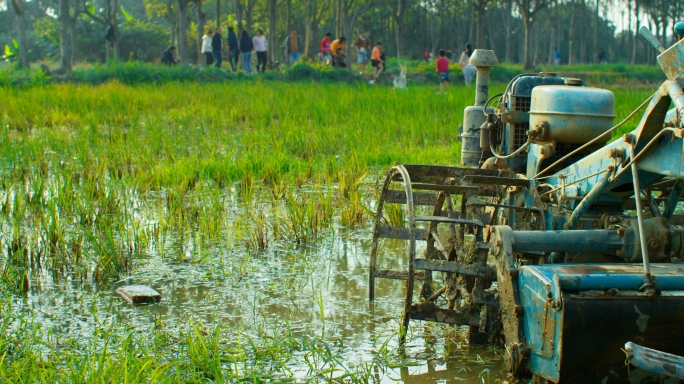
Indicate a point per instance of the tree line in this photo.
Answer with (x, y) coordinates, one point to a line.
(519, 31)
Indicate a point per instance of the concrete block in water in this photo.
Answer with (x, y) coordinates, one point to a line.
(139, 294)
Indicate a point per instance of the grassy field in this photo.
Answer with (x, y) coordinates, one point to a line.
(417, 72)
(95, 180)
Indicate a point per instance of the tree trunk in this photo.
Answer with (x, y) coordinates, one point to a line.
(218, 13)
(64, 41)
(509, 47)
(238, 16)
(23, 45)
(308, 27)
(200, 29)
(115, 17)
(183, 31)
(597, 20)
(527, 59)
(551, 42)
(635, 41)
(479, 36)
(348, 32)
(398, 16)
(471, 28)
(397, 35)
(571, 36)
(536, 49)
(272, 44)
(289, 26)
(249, 20)
(74, 39)
(339, 22)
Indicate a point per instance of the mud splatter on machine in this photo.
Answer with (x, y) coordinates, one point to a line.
(555, 242)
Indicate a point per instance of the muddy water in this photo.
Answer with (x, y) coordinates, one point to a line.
(318, 290)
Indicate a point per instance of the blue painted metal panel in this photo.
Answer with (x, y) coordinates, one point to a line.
(665, 157)
(542, 322)
(523, 86)
(544, 294)
(586, 277)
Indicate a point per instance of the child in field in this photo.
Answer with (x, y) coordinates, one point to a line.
(443, 71)
(340, 59)
(335, 47)
(377, 62)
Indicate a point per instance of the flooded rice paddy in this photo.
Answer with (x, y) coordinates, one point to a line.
(304, 302)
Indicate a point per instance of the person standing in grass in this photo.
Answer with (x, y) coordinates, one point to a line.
(377, 62)
(246, 47)
(443, 71)
(468, 70)
(335, 46)
(260, 46)
(325, 55)
(362, 46)
(217, 47)
(234, 48)
(206, 48)
(292, 45)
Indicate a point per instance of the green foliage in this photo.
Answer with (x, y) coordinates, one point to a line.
(318, 72)
(126, 15)
(142, 41)
(90, 7)
(47, 31)
(11, 51)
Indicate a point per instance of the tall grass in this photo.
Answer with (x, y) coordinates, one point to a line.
(84, 169)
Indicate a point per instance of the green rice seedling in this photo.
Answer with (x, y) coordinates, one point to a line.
(393, 215)
(257, 230)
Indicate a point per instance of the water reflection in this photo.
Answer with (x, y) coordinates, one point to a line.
(319, 289)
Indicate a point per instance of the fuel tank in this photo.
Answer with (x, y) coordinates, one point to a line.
(572, 113)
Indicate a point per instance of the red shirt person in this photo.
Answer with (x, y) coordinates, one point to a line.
(443, 70)
(325, 54)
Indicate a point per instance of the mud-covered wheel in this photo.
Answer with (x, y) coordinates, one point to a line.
(433, 197)
(387, 195)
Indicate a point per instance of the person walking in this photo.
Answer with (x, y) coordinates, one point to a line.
(335, 46)
(292, 46)
(260, 46)
(467, 69)
(206, 48)
(442, 65)
(246, 47)
(217, 47)
(234, 48)
(167, 56)
(325, 52)
(362, 46)
(557, 56)
(377, 62)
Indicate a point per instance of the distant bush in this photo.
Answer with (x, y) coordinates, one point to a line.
(134, 72)
(142, 41)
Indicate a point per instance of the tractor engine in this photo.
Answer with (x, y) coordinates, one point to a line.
(554, 241)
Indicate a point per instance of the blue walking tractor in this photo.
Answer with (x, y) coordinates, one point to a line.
(559, 240)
